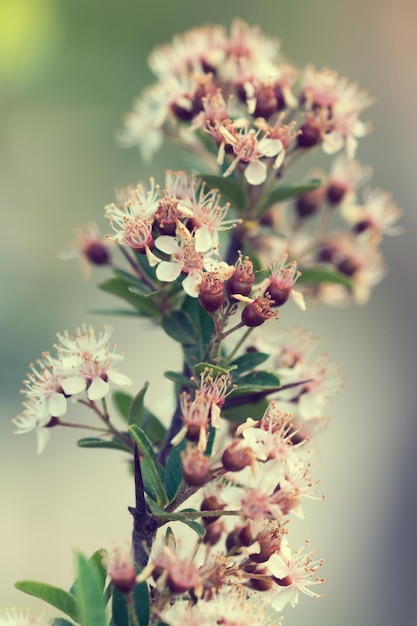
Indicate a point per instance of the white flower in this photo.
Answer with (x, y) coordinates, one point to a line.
(295, 572)
(92, 359)
(35, 417)
(18, 617)
(46, 385)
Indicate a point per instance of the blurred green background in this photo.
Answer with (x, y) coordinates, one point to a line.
(69, 71)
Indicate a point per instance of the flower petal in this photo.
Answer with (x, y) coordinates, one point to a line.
(255, 173)
(98, 389)
(167, 271)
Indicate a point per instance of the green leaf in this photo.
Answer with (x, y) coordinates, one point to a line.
(122, 401)
(54, 596)
(257, 380)
(121, 288)
(153, 473)
(96, 561)
(285, 192)
(125, 312)
(105, 444)
(229, 190)
(60, 621)
(89, 593)
(179, 379)
(203, 326)
(239, 414)
(153, 427)
(120, 612)
(134, 282)
(173, 471)
(249, 361)
(152, 483)
(316, 275)
(216, 369)
(137, 408)
(142, 603)
(178, 326)
(196, 527)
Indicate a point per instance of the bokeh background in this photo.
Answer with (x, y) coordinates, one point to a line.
(69, 71)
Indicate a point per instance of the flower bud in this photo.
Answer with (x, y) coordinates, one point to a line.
(310, 134)
(195, 466)
(121, 570)
(242, 279)
(97, 253)
(211, 292)
(236, 457)
(257, 312)
(266, 102)
(182, 577)
(335, 192)
(260, 584)
(211, 503)
(309, 203)
(214, 532)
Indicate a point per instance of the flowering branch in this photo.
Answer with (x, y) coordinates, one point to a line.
(204, 258)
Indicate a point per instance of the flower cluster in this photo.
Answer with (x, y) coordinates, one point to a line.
(237, 88)
(337, 228)
(263, 478)
(211, 258)
(82, 370)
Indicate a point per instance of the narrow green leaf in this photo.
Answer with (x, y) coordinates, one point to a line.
(121, 288)
(122, 401)
(137, 408)
(317, 275)
(153, 427)
(258, 380)
(196, 527)
(173, 471)
(203, 325)
(178, 326)
(229, 190)
(216, 369)
(56, 597)
(153, 473)
(105, 444)
(249, 361)
(120, 612)
(142, 603)
(133, 281)
(239, 414)
(152, 483)
(96, 560)
(285, 192)
(92, 608)
(179, 379)
(125, 312)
